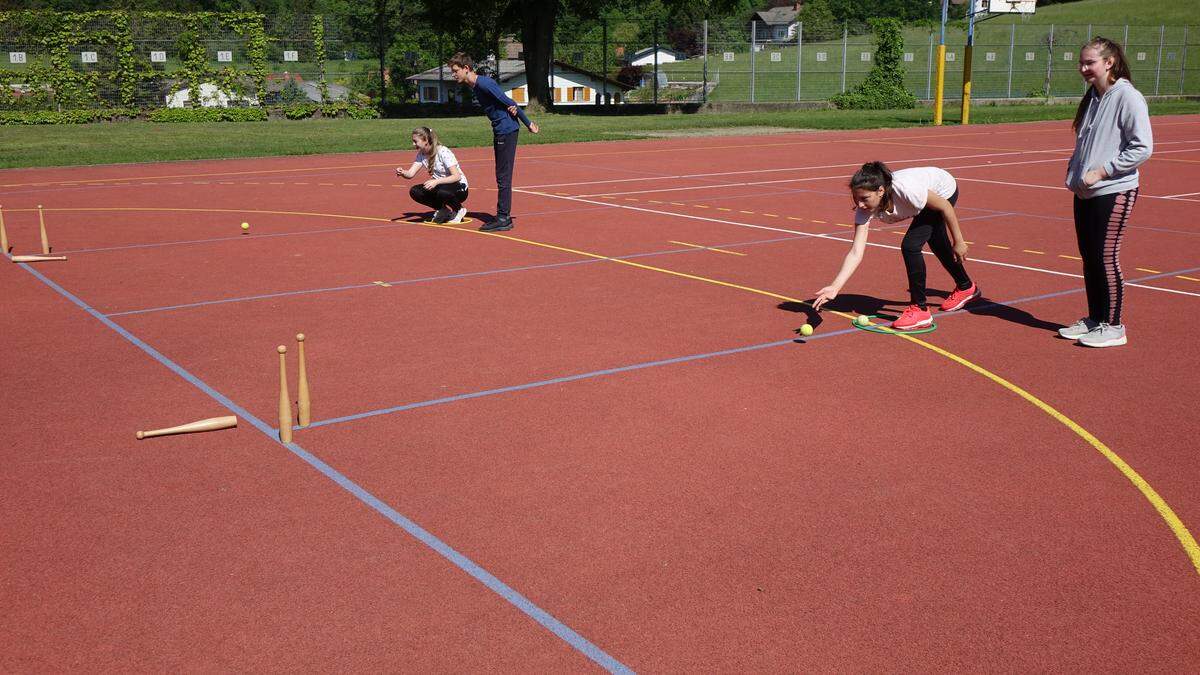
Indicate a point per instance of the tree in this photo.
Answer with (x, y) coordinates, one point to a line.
(884, 86)
(818, 18)
(537, 20)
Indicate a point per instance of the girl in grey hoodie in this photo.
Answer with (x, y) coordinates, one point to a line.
(1113, 138)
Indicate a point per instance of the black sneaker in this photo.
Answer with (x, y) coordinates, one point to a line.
(442, 215)
(502, 224)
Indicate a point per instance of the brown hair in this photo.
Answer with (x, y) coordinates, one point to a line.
(872, 176)
(461, 60)
(1120, 71)
(429, 136)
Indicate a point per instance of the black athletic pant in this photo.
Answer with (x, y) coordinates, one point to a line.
(505, 147)
(451, 196)
(929, 227)
(1099, 228)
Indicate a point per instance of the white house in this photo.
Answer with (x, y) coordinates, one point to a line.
(571, 85)
(645, 57)
(777, 24)
(210, 97)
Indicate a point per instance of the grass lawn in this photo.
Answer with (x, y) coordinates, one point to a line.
(147, 141)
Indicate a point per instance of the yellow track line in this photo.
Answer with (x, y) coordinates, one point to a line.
(1190, 547)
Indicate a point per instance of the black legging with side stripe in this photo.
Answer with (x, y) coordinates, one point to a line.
(1099, 228)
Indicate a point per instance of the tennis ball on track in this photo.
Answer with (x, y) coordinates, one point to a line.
(245, 226)
(862, 320)
(806, 330)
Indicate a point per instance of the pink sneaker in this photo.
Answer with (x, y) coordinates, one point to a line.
(913, 318)
(959, 298)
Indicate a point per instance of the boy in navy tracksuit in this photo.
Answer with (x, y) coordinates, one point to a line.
(501, 110)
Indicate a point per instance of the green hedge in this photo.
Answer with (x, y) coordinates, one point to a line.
(24, 117)
(208, 115)
(176, 115)
(337, 109)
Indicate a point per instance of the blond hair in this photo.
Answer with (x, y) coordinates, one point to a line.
(430, 137)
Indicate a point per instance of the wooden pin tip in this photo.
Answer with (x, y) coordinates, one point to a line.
(140, 435)
(299, 337)
(282, 349)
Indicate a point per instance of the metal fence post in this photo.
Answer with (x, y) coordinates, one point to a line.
(1125, 42)
(1050, 65)
(929, 77)
(1012, 45)
(656, 61)
(800, 58)
(845, 43)
(704, 91)
(1183, 60)
(753, 49)
(604, 61)
(1162, 33)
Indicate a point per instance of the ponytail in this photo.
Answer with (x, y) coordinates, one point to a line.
(872, 176)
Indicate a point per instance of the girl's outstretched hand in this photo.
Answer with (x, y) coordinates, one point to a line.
(824, 295)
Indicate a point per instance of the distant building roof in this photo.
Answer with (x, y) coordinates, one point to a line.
(778, 15)
(650, 50)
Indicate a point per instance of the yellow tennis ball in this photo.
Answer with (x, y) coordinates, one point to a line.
(245, 226)
(862, 320)
(806, 330)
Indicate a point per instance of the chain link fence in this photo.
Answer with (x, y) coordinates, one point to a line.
(616, 60)
(754, 63)
(31, 52)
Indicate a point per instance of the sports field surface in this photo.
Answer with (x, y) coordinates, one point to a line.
(596, 441)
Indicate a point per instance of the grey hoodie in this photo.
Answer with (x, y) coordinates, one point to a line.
(1114, 134)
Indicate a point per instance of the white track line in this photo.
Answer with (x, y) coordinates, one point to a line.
(831, 237)
(998, 153)
(801, 180)
(790, 168)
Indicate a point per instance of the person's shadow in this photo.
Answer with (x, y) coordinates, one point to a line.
(889, 309)
(844, 302)
(427, 216)
(981, 306)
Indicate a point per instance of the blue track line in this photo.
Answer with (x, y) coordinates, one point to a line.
(548, 621)
(687, 358)
(463, 275)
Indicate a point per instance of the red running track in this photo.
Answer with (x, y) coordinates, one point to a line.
(605, 414)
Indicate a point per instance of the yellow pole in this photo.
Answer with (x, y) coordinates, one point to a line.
(966, 92)
(941, 83)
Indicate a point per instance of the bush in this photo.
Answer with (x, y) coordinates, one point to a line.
(172, 115)
(884, 86)
(334, 109)
(631, 75)
(29, 117)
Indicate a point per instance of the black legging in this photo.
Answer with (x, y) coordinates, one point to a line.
(1099, 228)
(452, 195)
(929, 227)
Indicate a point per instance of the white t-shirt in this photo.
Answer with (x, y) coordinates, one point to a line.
(910, 191)
(442, 163)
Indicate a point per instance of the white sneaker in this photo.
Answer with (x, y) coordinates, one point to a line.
(458, 216)
(1104, 335)
(1078, 329)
